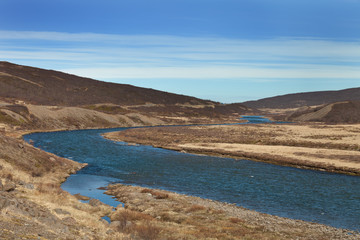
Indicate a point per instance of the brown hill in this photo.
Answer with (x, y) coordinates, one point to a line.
(340, 112)
(306, 99)
(47, 99)
(48, 87)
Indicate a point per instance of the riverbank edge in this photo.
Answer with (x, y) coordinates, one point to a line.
(266, 158)
(349, 234)
(137, 200)
(252, 157)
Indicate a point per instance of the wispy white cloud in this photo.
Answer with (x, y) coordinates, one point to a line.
(105, 56)
(220, 72)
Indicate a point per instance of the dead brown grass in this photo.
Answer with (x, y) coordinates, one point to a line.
(327, 147)
(156, 194)
(33, 161)
(125, 216)
(195, 208)
(185, 217)
(147, 231)
(37, 176)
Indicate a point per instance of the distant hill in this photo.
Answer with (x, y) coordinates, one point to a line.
(340, 112)
(306, 99)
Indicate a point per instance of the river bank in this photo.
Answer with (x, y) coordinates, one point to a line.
(171, 215)
(32, 203)
(332, 148)
(200, 214)
(289, 193)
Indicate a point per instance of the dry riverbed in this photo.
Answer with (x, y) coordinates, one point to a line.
(333, 148)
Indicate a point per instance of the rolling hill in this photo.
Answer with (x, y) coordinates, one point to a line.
(40, 98)
(297, 100)
(48, 87)
(339, 112)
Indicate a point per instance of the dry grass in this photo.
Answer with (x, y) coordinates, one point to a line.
(126, 216)
(20, 162)
(26, 158)
(196, 208)
(50, 188)
(185, 217)
(330, 147)
(147, 231)
(155, 194)
(342, 137)
(236, 220)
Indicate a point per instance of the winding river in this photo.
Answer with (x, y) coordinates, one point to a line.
(327, 198)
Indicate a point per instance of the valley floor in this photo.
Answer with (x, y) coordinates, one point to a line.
(33, 206)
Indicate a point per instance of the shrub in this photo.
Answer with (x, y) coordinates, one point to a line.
(147, 231)
(126, 216)
(49, 188)
(9, 176)
(195, 208)
(236, 220)
(156, 194)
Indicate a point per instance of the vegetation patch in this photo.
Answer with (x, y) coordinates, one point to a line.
(110, 109)
(155, 194)
(185, 217)
(4, 118)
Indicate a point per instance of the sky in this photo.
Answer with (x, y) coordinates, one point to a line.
(222, 50)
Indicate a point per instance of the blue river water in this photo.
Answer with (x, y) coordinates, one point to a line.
(327, 198)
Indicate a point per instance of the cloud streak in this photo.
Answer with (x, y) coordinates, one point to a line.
(219, 72)
(106, 56)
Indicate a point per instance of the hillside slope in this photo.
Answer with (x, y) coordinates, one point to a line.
(340, 112)
(46, 99)
(297, 100)
(47, 87)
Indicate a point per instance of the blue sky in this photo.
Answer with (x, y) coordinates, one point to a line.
(223, 50)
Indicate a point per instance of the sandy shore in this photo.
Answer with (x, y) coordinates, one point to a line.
(333, 148)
